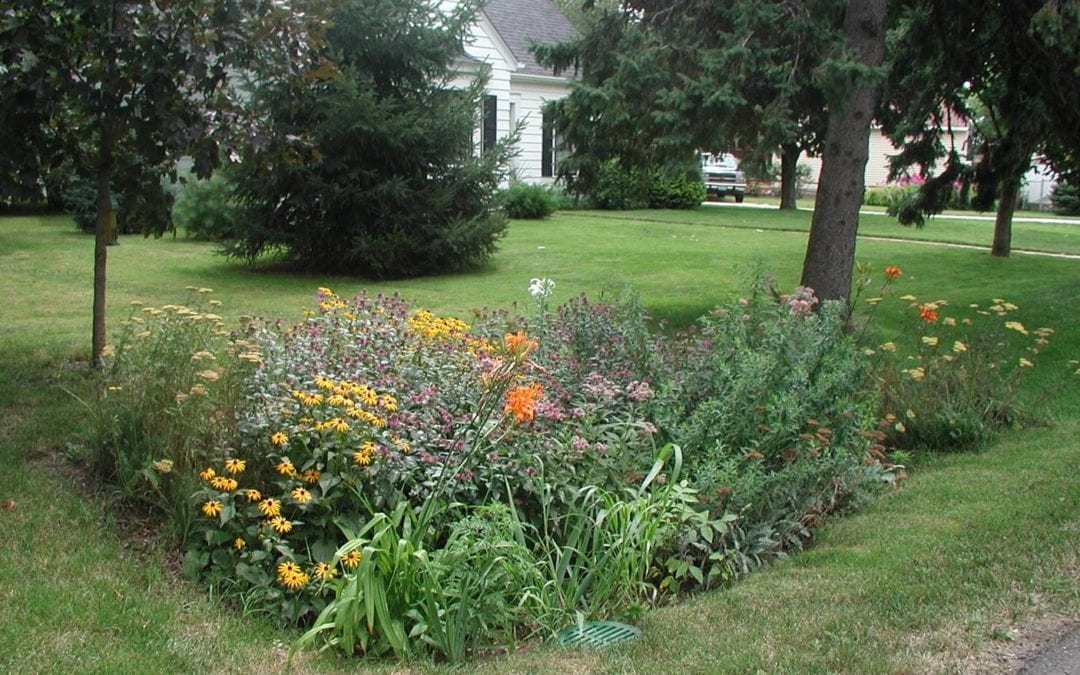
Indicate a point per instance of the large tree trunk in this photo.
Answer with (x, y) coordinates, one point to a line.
(1010, 193)
(830, 251)
(104, 234)
(789, 165)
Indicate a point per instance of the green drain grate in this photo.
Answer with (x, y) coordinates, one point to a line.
(597, 634)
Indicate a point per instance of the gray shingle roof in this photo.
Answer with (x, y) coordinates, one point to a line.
(520, 22)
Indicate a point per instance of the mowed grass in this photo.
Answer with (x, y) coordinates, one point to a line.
(926, 579)
(958, 228)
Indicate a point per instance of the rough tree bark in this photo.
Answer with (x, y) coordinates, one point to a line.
(830, 251)
(789, 165)
(1010, 193)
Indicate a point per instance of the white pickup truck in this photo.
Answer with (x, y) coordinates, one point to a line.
(722, 176)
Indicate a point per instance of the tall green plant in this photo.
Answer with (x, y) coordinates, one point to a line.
(390, 184)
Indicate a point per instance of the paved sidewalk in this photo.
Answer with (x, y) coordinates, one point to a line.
(1060, 658)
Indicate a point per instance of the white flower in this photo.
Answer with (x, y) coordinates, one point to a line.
(541, 289)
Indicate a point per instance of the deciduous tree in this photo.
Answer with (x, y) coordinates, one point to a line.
(1012, 69)
(121, 90)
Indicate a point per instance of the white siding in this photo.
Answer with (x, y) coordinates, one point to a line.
(530, 96)
(881, 149)
(527, 93)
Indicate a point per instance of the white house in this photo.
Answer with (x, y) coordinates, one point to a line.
(517, 85)
(1038, 181)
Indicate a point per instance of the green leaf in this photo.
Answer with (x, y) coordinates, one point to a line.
(194, 563)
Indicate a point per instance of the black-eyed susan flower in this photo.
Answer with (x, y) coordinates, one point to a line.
(235, 466)
(252, 495)
(280, 524)
(300, 495)
(279, 438)
(270, 507)
(291, 576)
(286, 468)
(207, 473)
(223, 483)
(363, 454)
(311, 476)
(239, 544)
(324, 572)
(212, 508)
(351, 560)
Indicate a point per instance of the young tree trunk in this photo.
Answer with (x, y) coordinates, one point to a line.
(830, 251)
(789, 164)
(104, 234)
(1010, 193)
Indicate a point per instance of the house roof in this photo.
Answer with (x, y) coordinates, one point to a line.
(521, 22)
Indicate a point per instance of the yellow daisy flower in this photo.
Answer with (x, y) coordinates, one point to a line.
(239, 544)
(212, 508)
(235, 466)
(207, 474)
(280, 524)
(291, 576)
(324, 572)
(270, 507)
(286, 468)
(300, 495)
(311, 476)
(223, 483)
(253, 495)
(351, 560)
(279, 438)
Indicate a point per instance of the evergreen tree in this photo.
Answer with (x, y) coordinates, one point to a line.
(658, 80)
(389, 184)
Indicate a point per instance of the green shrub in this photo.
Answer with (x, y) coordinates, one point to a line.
(388, 183)
(1066, 198)
(676, 192)
(525, 201)
(80, 202)
(206, 209)
(892, 197)
(771, 403)
(618, 189)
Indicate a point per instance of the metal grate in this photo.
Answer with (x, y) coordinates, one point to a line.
(597, 634)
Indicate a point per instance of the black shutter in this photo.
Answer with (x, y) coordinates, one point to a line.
(489, 130)
(547, 151)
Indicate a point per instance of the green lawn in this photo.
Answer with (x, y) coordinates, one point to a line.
(963, 229)
(927, 578)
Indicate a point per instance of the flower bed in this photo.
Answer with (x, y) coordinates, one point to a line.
(402, 482)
